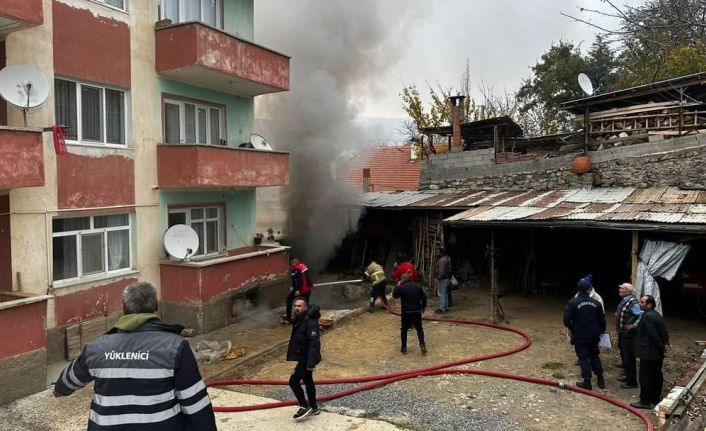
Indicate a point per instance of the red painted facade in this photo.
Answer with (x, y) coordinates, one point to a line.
(21, 158)
(87, 182)
(82, 41)
(22, 11)
(208, 57)
(5, 245)
(90, 303)
(22, 329)
(202, 166)
(191, 284)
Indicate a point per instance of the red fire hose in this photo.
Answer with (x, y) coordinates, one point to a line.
(376, 381)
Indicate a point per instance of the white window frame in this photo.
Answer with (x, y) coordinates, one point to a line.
(220, 142)
(220, 247)
(106, 4)
(91, 231)
(79, 121)
(182, 11)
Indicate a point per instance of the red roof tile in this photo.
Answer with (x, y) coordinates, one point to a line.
(390, 169)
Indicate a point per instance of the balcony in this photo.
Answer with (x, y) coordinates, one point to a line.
(187, 166)
(21, 157)
(204, 56)
(17, 15)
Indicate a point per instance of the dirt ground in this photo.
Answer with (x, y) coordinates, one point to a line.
(369, 344)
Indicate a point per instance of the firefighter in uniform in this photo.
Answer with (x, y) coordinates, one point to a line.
(376, 275)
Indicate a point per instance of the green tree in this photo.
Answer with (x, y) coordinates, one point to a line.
(601, 65)
(553, 82)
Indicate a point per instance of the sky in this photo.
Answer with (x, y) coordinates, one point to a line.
(501, 39)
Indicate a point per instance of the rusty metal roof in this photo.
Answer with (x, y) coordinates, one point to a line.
(656, 205)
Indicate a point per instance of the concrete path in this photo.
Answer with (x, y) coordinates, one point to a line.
(43, 412)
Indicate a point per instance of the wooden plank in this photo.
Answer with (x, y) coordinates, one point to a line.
(73, 341)
(111, 319)
(92, 329)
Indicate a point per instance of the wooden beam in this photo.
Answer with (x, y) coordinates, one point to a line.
(633, 260)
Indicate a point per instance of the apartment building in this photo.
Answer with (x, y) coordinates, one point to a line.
(155, 98)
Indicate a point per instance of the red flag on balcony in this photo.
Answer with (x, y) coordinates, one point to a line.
(59, 141)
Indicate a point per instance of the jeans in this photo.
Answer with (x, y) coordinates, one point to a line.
(301, 373)
(443, 286)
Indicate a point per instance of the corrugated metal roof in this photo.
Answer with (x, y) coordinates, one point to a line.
(661, 205)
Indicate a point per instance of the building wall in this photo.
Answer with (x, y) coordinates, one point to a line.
(673, 162)
(239, 18)
(239, 110)
(239, 212)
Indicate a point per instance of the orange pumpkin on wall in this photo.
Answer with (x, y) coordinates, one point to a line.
(581, 165)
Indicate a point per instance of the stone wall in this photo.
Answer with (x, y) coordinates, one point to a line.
(675, 162)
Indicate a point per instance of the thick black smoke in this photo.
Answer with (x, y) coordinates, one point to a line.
(338, 48)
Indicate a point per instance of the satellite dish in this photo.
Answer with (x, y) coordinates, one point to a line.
(259, 143)
(181, 241)
(23, 86)
(585, 84)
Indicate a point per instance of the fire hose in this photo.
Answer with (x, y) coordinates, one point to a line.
(379, 380)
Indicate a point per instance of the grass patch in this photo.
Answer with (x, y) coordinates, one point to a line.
(553, 366)
(558, 376)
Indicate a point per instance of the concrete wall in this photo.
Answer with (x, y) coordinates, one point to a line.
(239, 18)
(639, 165)
(239, 110)
(23, 375)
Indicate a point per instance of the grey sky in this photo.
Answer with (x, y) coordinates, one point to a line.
(501, 39)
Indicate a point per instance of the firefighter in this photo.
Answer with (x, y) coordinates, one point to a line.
(376, 275)
(301, 286)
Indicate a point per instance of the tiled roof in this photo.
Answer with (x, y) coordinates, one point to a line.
(390, 169)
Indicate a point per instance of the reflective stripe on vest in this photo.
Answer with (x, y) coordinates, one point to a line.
(377, 276)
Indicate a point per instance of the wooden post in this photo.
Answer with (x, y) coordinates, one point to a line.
(633, 260)
(492, 275)
(586, 125)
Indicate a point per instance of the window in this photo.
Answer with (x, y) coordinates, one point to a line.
(192, 123)
(90, 113)
(206, 11)
(208, 224)
(84, 246)
(117, 4)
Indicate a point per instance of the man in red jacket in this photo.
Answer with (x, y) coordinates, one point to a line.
(301, 286)
(402, 266)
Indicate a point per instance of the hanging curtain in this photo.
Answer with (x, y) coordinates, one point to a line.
(658, 259)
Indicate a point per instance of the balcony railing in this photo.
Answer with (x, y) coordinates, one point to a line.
(200, 55)
(21, 157)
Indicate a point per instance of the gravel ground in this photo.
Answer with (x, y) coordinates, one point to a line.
(397, 403)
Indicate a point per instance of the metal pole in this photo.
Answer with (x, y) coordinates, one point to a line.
(331, 283)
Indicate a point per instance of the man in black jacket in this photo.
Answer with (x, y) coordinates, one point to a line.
(413, 302)
(305, 349)
(585, 318)
(650, 344)
(146, 377)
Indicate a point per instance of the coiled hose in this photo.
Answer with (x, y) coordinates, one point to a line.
(378, 380)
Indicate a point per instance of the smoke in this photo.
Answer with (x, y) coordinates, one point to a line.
(338, 49)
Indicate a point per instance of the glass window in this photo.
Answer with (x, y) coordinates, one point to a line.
(209, 13)
(170, 10)
(206, 11)
(191, 123)
(90, 113)
(90, 245)
(120, 4)
(207, 223)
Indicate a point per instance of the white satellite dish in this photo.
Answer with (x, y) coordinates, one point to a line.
(585, 84)
(259, 143)
(181, 241)
(23, 86)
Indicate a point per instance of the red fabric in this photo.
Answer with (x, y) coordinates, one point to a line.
(402, 268)
(306, 286)
(59, 141)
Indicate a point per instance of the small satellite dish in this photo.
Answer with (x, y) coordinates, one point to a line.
(585, 84)
(259, 143)
(181, 241)
(23, 86)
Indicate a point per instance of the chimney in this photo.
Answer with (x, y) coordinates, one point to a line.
(366, 180)
(457, 108)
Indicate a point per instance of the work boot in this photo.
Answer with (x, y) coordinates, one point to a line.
(423, 348)
(586, 384)
(600, 381)
(371, 307)
(403, 350)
